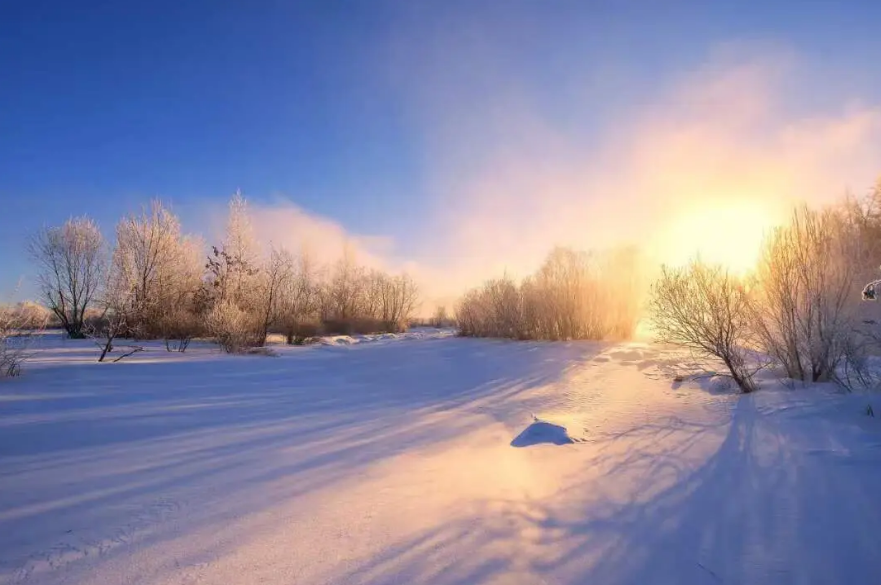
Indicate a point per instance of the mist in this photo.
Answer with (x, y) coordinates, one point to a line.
(707, 165)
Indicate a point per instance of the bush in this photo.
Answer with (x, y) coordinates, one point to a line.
(233, 329)
(707, 310)
(297, 333)
(18, 331)
(574, 295)
(359, 326)
(807, 291)
(179, 327)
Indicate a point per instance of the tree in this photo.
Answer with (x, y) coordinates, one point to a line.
(18, 329)
(440, 318)
(180, 304)
(299, 301)
(804, 310)
(231, 300)
(241, 251)
(393, 300)
(495, 309)
(116, 304)
(347, 288)
(274, 278)
(156, 265)
(72, 263)
(573, 295)
(707, 310)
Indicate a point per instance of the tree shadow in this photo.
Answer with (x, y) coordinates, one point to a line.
(757, 509)
(81, 446)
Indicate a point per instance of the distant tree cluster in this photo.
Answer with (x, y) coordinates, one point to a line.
(156, 283)
(573, 295)
(19, 326)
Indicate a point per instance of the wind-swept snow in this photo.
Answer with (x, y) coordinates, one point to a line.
(392, 462)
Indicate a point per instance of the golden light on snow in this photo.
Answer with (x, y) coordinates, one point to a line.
(728, 233)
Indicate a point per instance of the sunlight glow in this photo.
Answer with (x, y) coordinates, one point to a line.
(729, 234)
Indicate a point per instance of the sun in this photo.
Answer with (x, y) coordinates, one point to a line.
(729, 234)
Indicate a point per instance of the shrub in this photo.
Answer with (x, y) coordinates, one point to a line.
(574, 295)
(807, 288)
(707, 310)
(179, 327)
(234, 329)
(18, 330)
(357, 326)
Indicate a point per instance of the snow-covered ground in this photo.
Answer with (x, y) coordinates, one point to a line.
(421, 459)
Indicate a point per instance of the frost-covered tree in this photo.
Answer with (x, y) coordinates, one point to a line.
(299, 300)
(272, 281)
(392, 300)
(117, 312)
(804, 310)
(233, 266)
(707, 310)
(346, 290)
(157, 266)
(573, 295)
(72, 264)
(233, 294)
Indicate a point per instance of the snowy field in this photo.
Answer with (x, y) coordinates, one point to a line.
(417, 459)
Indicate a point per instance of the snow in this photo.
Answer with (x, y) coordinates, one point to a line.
(420, 333)
(428, 459)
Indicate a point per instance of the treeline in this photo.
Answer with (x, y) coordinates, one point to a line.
(156, 283)
(800, 310)
(573, 295)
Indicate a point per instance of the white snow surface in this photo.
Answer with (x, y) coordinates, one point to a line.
(398, 462)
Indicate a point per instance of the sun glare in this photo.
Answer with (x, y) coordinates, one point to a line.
(727, 234)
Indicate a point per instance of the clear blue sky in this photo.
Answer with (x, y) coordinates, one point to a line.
(106, 104)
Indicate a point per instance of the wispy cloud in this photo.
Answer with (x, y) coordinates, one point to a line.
(718, 153)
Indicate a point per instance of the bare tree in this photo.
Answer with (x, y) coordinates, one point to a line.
(440, 318)
(707, 310)
(807, 286)
(71, 259)
(494, 310)
(347, 288)
(394, 299)
(299, 301)
(116, 306)
(276, 275)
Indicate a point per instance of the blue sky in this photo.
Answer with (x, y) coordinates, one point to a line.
(375, 115)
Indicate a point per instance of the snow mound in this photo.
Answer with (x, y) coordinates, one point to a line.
(541, 431)
(422, 333)
(335, 340)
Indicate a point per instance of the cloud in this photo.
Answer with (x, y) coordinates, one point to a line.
(283, 223)
(709, 160)
(727, 144)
